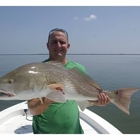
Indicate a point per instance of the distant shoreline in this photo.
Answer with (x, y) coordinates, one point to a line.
(73, 54)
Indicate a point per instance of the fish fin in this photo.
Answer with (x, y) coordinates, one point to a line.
(57, 96)
(123, 99)
(85, 77)
(83, 104)
(41, 100)
(54, 86)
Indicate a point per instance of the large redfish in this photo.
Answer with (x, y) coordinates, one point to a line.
(53, 81)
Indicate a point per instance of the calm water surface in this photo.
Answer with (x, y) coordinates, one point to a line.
(110, 71)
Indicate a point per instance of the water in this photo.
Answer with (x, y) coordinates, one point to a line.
(110, 71)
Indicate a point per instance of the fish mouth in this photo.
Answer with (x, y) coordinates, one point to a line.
(4, 94)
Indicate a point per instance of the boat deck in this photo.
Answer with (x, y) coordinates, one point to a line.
(14, 120)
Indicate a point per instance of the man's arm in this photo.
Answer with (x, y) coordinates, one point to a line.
(36, 107)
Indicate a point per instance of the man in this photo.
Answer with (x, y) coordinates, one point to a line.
(59, 118)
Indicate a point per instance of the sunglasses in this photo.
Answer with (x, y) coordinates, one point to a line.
(57, 29)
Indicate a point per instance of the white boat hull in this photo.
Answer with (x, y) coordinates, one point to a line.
(14, 120)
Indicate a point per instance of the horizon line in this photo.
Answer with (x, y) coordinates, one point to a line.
(76, 54)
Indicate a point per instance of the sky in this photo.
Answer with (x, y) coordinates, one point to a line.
(91, 29)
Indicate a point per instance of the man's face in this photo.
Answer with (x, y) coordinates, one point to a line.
(58, 45)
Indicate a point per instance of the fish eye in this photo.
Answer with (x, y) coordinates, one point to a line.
(11, 81)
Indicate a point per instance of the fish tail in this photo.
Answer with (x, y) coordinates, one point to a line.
(123, 98)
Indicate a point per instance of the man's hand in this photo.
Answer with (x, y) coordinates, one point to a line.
(103, 100)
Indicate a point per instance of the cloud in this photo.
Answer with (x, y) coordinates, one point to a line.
(76, 18)
(90, 17)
